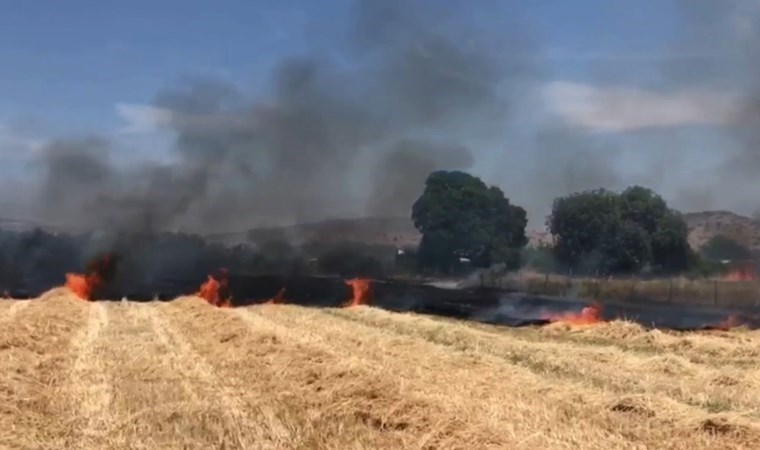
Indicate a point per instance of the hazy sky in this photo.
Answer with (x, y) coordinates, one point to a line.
(615, 92)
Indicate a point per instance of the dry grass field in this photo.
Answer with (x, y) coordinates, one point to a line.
(677, 290)
(184, 374)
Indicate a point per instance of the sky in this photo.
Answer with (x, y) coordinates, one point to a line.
(608, 70)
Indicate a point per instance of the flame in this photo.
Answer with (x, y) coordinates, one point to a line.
(216, 290)
(741, 274)
(588, 316)
(278, 298)
(99, 271)
(362, 291)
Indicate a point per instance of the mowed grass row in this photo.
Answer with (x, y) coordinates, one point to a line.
(509, 387)
(184, 374)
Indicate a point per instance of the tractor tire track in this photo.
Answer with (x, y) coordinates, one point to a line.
(193, 364)
(288, 387)
(90, 385)
(203, 386)
(36, 358)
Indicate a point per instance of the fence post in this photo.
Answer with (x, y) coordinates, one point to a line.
(715, 292)
(546, 280)
(633, 287)
(670, 291)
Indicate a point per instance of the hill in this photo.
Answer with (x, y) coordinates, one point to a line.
(706, 224)
(400, 231)
(394, 231)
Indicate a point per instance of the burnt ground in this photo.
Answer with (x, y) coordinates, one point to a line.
(487, 305)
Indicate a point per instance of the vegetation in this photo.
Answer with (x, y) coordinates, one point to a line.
(676, 290)
(603, 232)
(721, 248)
(192, 376)
(460, 217)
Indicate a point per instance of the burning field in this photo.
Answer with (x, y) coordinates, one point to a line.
(187, 374)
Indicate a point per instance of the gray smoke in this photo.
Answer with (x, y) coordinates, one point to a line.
(354, 129)
(722, 47)
(352, 137)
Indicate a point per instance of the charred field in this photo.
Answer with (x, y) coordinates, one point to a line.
(234, 360)
(186, 374)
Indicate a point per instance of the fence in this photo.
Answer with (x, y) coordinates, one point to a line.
(680, 290)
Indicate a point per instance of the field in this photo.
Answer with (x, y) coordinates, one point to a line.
(184, 374)
(677, 290)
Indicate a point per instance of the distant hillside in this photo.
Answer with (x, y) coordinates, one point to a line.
(704, 225)
(395, 231)
(399, 232)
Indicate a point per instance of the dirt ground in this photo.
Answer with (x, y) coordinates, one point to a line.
(183, 374)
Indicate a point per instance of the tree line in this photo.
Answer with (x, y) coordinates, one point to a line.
(595, 232)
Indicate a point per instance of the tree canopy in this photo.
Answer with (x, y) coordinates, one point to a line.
(459, 216)
(722, 247)
(600, 231)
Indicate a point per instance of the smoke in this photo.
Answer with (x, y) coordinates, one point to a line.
(722, 41)
(405, 168)
(405, 88)
(350, 131)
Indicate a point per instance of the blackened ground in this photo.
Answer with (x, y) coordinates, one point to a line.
(479, 304)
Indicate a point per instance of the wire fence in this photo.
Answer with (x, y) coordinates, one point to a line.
(676, 290)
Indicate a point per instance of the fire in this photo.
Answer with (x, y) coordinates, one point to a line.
(589, 315)
(741, 274)
(99, 271)
(362, 291)
(278, 298)
(216, 290)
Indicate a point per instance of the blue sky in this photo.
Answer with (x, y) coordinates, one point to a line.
(66, 67)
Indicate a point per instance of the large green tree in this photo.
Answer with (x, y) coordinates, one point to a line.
(459, 216)
(605, 232)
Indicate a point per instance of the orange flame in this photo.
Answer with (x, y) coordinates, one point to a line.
(99, 271)
(216, 291)
(277, 299)
(741, 274)
(588, 316)
(362, 291)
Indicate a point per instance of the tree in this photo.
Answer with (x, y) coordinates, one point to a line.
(600, 231)
(459, 216)
(579, 222)
(722, 247)
(671, 252)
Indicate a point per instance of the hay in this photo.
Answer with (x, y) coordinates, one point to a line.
(188, 375)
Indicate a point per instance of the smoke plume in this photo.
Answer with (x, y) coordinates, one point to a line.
(721, 44)
(347, 136)
(409, 87)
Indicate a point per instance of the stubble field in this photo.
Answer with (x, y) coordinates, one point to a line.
(184, 374)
